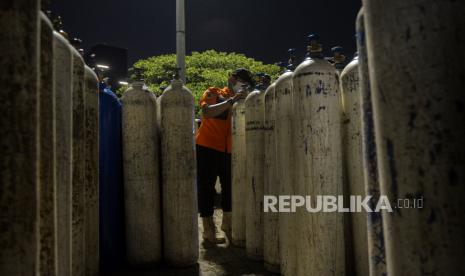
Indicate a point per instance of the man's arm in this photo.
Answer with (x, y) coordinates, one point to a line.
(211, 111)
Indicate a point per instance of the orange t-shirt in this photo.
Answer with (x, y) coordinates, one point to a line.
(215, 133)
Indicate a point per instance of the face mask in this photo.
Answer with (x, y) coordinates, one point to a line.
(238, 86)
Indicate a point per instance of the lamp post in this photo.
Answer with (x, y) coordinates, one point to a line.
(181, 39)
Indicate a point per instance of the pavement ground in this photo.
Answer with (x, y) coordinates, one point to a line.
(214, 260)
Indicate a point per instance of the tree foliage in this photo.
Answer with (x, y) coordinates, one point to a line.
(203, 70)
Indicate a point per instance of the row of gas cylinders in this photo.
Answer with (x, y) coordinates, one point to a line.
(288, 140)
(148, 191)
(87, 179)
(49, 137)
(385, 125)
(159, 176)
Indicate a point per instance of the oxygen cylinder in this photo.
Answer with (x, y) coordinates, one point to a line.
(353, 158)
(141, 176)
(376, 250)
(92, 171)
(64, 121)
(416, 57)
(239, 173)
(47, 218)
(180, 213)
(254, 115)
(285, 169)
(78, 170)
(19, 188)
(111, 208)
(317, 141)
(271, 185)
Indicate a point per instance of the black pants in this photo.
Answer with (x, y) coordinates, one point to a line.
(210, 165)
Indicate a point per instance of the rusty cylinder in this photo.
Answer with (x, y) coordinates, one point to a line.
(239, 173)
(376, 249)
(19, 187)
(285, 170)
(47, 204)
(271, 185)
(92, 171)
(63, 66)
(141, 176)
(254, 115)
(180, 218)
(353, 158)
(317, 142)
(416, 57)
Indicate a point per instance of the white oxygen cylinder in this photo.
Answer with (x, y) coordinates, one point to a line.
(64, 123)
(239, 173)
(376, 245)
(179, 188)
(92, 172)
(254, 115)
(78, 170)
(47, 254)
(416, 57)
(19, 188)
(285, 170)
(353, 158)
(318, 162)
(141, 176)
(271, 255)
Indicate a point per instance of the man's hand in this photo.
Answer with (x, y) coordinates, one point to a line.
(239, 96)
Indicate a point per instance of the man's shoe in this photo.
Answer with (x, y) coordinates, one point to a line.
(210, 232)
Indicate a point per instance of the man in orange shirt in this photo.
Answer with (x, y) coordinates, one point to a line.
(213, 141)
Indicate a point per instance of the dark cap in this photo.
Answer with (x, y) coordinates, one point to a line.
(244, 75)
(337, 49)
(313, 37)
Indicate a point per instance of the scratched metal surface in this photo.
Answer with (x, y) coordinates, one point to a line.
(78, 170)
(64, 121)
(415, 51)
(179, 186)
(271, 254)
(141, 177)
(19, 72)
(376, 248)
(285, 169)
(92, 172)
(254, 115)
(239, 173)
(353, 162)
(317, 105)
(47, 254)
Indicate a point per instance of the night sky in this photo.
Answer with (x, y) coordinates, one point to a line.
(262, 29)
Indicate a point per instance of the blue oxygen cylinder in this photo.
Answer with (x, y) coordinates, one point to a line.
(111, 190)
